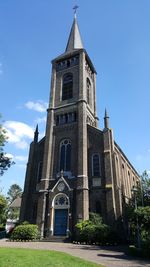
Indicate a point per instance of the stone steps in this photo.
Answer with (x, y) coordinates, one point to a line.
(60, 239)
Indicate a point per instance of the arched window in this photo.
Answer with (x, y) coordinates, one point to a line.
(67, 88)
(61, 201)
(96, 165)
(88, 87)
(65, 155)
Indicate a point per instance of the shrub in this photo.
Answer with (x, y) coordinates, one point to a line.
(25, 232)
(93, 231)
(24, 223)
(136, 252)
(2, 228)
(95, 218)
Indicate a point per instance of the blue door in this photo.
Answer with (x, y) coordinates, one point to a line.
(61, 218)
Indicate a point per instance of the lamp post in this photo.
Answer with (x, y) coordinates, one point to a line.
(134, 190)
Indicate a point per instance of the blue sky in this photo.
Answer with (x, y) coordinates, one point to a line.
(116, 35)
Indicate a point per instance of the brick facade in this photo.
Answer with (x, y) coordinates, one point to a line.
(97, 175)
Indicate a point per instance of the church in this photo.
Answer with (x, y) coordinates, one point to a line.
(76, 168)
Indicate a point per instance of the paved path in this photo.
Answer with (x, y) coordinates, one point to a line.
(108, 256)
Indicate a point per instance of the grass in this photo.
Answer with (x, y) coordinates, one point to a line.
(19, 257)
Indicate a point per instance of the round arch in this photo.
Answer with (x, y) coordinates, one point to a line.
(61, 200)
(60, 218)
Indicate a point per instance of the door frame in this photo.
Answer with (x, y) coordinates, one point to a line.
(54, 206)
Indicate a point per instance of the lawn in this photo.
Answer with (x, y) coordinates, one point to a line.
(19, 257)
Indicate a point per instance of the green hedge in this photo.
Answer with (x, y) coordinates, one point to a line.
(25, 232)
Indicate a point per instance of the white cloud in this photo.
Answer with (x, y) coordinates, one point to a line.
(22, 144)
(19, 129)
(39, 106)
(18, 133)
(18, 158)
(13, 138)
(40, 120)
(10, 156)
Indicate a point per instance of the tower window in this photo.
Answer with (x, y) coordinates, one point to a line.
(67, 88)
(88, 87)
(65, 155)
(96, 172)
(66, 118)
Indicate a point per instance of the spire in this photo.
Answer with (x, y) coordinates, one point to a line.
(74, 41)
(36, 133)
(106, 120)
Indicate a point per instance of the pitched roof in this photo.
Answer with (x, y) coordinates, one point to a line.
(16, 203)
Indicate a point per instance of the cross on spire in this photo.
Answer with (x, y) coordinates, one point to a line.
(75, 9)
(74, 41)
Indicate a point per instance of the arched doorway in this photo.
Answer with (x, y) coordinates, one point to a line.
(61, 211)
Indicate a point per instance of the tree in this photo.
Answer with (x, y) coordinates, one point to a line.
(139, 213)
(145, 189)
(14, 191)
(5, 161)
(143, 214)
(141, 192)
(3, 206)
(140, 221)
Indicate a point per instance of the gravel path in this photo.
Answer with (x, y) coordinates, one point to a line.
(108, 256)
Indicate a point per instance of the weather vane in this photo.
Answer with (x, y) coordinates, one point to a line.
(75, 9)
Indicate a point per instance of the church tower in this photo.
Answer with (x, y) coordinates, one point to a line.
(76, 168)
(72, 103)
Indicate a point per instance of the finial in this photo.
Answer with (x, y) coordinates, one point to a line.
(75, 10)
(36, 128)
(106, 115)
(36, 133)
(61, 173)
(106, 120)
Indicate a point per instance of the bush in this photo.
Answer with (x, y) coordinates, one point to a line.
(24, 223)
(2, 228)
(95, 218)
(136, 252)
(93, 231)
(25, 232)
